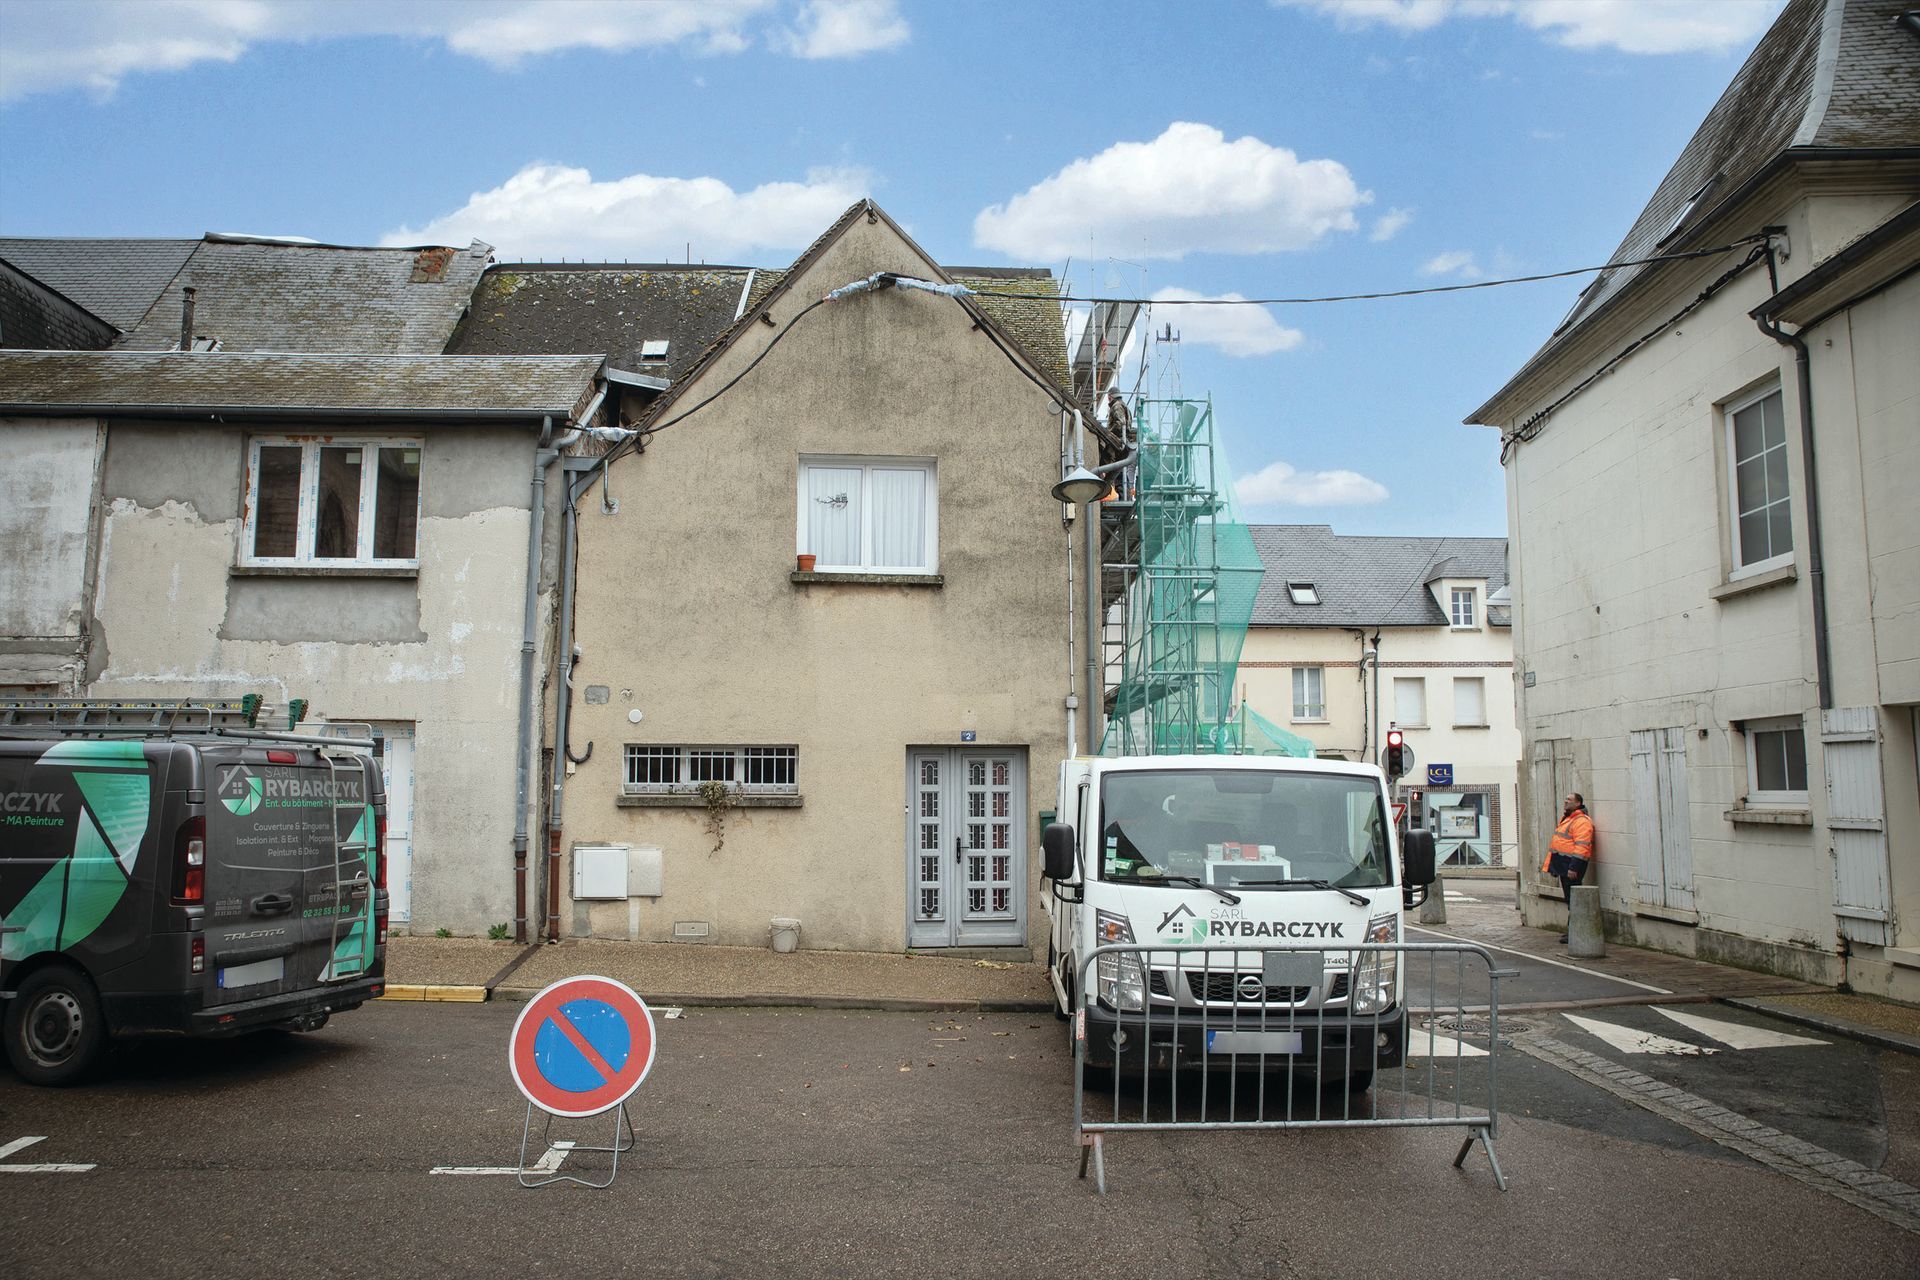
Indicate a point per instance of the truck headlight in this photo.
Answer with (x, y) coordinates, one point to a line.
(1119, 981)
(1374, 985)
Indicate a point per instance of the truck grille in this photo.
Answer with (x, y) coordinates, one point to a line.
(1224, 988)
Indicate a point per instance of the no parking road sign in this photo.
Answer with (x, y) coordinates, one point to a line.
(582, 1046)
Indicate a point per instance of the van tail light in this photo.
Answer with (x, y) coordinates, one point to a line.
(380, 930)
(380, 851)
(190, 861)
(282, 757)
(199, 955)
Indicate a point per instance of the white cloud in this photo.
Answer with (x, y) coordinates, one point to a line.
(1631, 26)
(1390, 224)
(845, 29)
(1454, 262)
(1281, 485)
(547, 211)
(94, 44)
(1188, 191)
(1235, 330)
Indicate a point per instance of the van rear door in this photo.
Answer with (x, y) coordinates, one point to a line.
(289, 888)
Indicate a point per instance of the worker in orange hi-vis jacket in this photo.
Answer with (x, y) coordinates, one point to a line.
(1571, 852)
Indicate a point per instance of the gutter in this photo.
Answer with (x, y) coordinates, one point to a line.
(276, 412)
(1816, 562)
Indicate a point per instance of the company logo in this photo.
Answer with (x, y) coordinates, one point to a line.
(239, 790)
(1182, 925)
(40, 802)
(1251, 987)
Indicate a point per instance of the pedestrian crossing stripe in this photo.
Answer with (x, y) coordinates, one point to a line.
(1422, 1043)
(1737, 1035)
(1627, 1040)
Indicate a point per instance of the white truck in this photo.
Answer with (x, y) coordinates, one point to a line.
(1192, 857)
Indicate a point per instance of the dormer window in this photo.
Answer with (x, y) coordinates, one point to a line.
(1463, 610)
(1303, 593)
(653, 350)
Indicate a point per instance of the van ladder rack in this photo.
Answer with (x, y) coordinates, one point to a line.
(154, 718)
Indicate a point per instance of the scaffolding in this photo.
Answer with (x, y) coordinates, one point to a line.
(1179, 578)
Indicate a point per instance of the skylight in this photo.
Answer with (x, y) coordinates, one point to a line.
(1303, 593)
(653, 349)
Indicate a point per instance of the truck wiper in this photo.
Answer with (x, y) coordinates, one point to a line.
(1195, 881)
(1311, 884)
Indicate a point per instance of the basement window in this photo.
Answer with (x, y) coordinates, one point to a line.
(332, 503)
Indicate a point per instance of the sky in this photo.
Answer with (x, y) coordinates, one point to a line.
(1174, 150)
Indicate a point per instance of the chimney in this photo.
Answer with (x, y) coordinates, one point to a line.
(186, 318)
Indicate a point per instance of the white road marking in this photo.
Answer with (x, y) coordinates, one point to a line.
(1737, 1035)
(1528, 955)
(1422, 1043)
(548, 1163)
(1459, 897)
(1627, 1040)
(21, 1144)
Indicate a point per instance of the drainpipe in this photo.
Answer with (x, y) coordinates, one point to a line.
(563, 708)
(1816, 563)
(543, 457)
(1373, 755)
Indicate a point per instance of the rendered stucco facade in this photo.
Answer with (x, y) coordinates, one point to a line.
(693, 624)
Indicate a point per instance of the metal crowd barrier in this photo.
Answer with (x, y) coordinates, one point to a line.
(1267, 1037)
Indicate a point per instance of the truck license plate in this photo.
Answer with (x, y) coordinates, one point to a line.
(1278, 1043)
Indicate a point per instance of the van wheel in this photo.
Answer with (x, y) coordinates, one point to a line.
(1360, 1081)
(55, 1031)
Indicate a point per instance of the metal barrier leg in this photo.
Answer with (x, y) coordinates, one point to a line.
(1485, 1139)
(1090, 1147)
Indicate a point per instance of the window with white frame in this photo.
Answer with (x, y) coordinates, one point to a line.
(1303, 593)
(869, 515)
(1463, 606)
(1410, 701)
(672, 770)
(1469, 702)
(1776, 761)
(1760, 508)
(332, 502)
(1309, 693)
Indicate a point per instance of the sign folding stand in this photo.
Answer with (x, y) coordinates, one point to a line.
(579, 1049)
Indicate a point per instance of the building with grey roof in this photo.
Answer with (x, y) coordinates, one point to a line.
(1353, 635)
(1716, 548)
(115, 279)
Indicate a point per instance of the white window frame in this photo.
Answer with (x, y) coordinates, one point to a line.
(1773, 799)
(1313, 710)
(1410, 724)
(1480, 723)
(684, 757)
(1472, 600)
(1731, 506)
(307, 525)
(1303, 593)
(867, 465)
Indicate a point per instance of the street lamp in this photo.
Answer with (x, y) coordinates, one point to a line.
(1079, 486)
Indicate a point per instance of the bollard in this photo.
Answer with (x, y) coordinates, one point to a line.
(1586, 936)
(1434, 909)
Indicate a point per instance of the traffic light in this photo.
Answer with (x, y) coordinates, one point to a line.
(1396, 754)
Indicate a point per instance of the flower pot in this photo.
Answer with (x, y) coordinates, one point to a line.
(806, 563)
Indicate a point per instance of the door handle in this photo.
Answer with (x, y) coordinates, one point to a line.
(272, 904)
(956, 851)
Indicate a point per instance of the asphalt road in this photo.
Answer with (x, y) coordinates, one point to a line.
(798, 1143)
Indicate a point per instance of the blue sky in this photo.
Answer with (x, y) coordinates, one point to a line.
(1174, 149)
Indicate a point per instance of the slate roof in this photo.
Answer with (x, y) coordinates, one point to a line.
(116, 280)
(1829, 76)
(257, 295)
(546, 307)
(236, 384)
(33, 315)
(1367, 581)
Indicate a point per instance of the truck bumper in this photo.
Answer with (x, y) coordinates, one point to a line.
(184, 1013)
(1321, 1045)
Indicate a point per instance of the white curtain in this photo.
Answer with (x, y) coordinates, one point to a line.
(833, 516)
(1469, 700)
(1410, 700)
(899, 518)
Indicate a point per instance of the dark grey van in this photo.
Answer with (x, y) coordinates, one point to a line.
(192, 883)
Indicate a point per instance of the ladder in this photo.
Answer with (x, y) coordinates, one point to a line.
(347, 853)
(170, 717)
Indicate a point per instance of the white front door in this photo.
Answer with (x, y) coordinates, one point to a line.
(396, 771)
(966, 847)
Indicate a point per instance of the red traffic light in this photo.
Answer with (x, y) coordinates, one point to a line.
(1393, 738)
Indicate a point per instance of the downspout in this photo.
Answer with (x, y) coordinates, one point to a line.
(1816, 563)
(1373, 755)
(543, 457)
(1366, 720)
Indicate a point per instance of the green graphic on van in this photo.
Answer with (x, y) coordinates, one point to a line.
(109, 824)
(239, 791)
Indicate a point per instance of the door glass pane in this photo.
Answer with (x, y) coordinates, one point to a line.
(396, 503)
(337, 508)
(899, 519)
(276, 509)
(833, 515)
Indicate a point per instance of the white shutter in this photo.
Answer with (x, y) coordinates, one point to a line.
(833, 516)
(1469, 700)
(1410, 700)
(1643, 770)
(1857, 823)
(899, 518)
(1676, 820)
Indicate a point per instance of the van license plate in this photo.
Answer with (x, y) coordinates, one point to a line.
(1279, 1043)
(248, 975)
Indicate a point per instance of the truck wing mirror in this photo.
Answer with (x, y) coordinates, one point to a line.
(1056, 840)
(1416, 858)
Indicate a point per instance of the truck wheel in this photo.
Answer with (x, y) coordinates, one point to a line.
(1360, 1081)
(55, 1032)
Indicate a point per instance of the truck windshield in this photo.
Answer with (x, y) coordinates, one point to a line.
(1238, 827)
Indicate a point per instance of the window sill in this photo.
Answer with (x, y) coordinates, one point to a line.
(1675, 915)
(1473, 726)
(870, 579)
(1770, 816)
(1309, 720)
(322, 571)
(1754, 582)
(656, 801)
